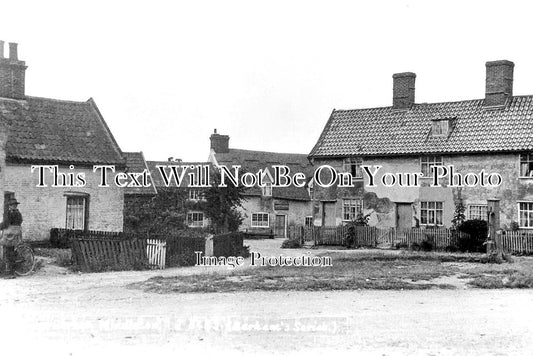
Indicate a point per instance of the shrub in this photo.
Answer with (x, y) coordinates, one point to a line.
(400, 245)
(291, 244)
(60, 238)
(477, 235)
(426, 245)
(451, 248)
(245, 251)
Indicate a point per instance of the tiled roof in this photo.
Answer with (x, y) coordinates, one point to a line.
(388, 131)
(56, 131)
(253, 161)
(158, 179)
(135, 163)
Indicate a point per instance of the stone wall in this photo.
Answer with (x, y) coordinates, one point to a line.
(43, 208)
(380, 201)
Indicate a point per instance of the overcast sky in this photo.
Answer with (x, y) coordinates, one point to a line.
(266, 73)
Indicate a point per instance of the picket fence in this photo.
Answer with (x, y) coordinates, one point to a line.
(156, 251)
(518, 242)
(371, 236)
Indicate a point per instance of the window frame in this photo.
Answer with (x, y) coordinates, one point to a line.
(196, 195)
(266, 189)
(529, 162)
(483, 215)
(194, 223)
(85, 210)
(307, 219)
(443, 126)
(350, 203)
(430, 161)
(262, 220)
(435, 210)
(353, 164)
(529, 213)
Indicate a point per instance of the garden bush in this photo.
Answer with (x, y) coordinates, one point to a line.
(426, 245)
(291, 244)
(477, 235)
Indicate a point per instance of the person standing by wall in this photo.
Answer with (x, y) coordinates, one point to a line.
(11, 235)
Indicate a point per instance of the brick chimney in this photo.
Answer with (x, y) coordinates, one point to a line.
(12, 73)
(219, 143)
(499, 82)
(403, 90)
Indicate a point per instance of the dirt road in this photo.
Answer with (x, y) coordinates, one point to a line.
(88, 314)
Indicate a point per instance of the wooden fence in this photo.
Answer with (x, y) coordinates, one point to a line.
(371, 236)
(519, 242)
(99, 251)
(94, 254)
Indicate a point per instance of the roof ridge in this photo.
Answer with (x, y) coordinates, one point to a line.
(256, 151)
(415, 104)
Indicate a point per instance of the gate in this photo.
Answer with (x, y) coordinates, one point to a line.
(156, 252)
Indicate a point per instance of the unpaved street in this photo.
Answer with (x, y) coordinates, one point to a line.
(95, 313)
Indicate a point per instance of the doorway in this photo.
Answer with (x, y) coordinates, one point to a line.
(280, 227)
(404, 215)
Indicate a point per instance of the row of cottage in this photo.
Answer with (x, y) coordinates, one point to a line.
(494, 134)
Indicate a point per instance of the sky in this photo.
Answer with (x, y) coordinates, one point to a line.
(165, 74)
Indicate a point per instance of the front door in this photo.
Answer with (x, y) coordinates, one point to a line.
(404, 215)
(280, 226)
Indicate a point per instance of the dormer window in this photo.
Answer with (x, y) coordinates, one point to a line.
(440, 127)
(266, 189)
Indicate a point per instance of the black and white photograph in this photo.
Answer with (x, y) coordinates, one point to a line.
(242, 177)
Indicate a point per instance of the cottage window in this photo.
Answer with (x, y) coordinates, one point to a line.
(526, 165)
(351, 208)
(195, 194)
(260, 220)
(308, 221)
(477, 212)
(525, 212)
(428, 162)
(353, 166)
(431, 213)
(440, 127)
(76, 212)
(195, 219)
(266, 189)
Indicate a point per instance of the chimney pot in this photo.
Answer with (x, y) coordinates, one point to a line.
(13, 52)
(1, 49)
(498, 82)
(403, 90)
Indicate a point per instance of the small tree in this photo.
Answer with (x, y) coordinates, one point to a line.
(459, 215)
(221, 204)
